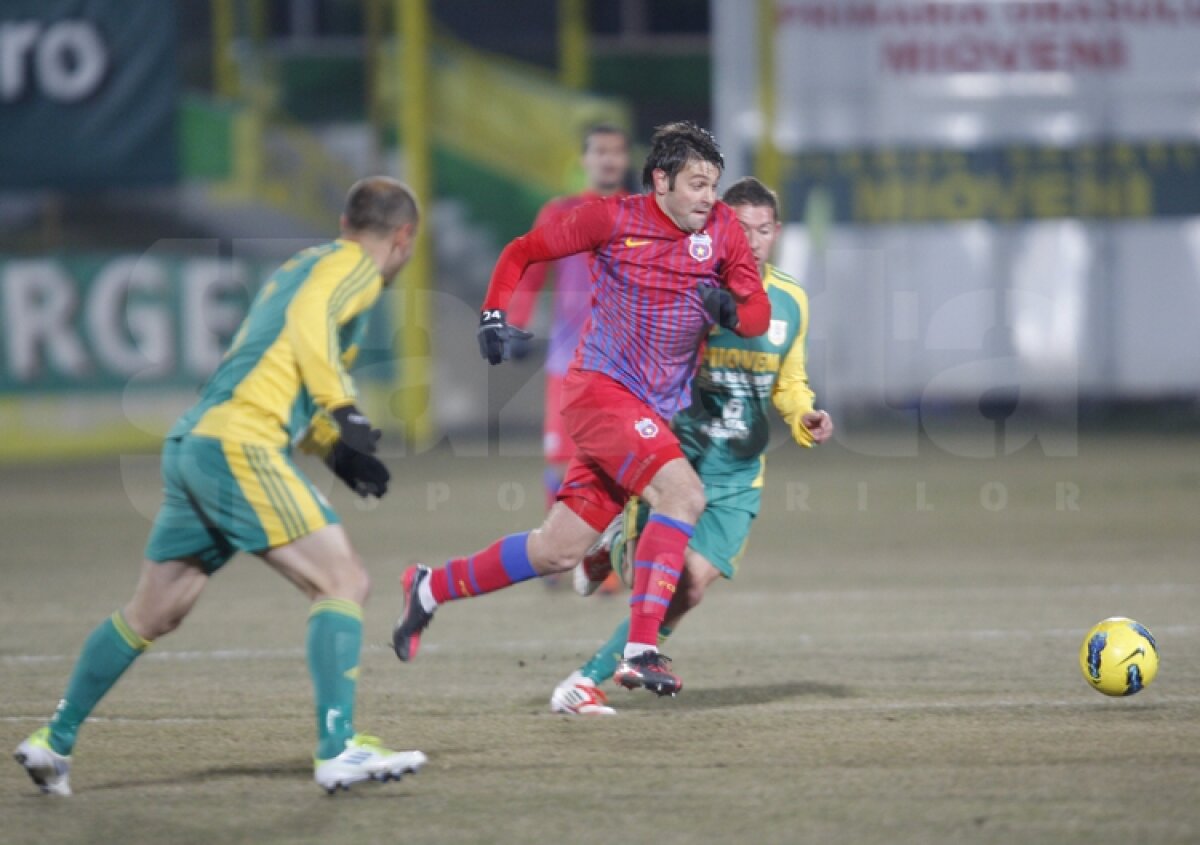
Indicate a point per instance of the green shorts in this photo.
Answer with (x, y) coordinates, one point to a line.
(221, 497)
(723, 530)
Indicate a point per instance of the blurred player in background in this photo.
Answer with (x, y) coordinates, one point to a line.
(724, 433)
(605, 162)
(666, 265)
(230, 485)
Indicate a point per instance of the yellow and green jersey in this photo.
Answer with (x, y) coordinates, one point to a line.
(725, 430)
(289, 359)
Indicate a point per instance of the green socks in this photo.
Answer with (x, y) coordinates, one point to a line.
(334, 643)
(107, 653)
(604, 662)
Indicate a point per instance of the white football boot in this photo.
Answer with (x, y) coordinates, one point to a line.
(579, 696)
(591, 573)
(364, 758)
(47, 768)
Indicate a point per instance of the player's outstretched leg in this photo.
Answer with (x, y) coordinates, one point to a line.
(502, 564)
(165, 594)
(555, 547)
(108, 652)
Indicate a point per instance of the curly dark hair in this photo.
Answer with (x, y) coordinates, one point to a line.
(750, 191)
(673, 145)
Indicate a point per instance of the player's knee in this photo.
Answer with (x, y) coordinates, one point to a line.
(558, 545)
(169, 624)
(557, 553)
(559, 561)
(154, 624)
(684, 503)
(355, 581)
(362, 584)
(348, 579)
(691, 501)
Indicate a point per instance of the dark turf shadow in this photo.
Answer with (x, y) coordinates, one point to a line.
(293, 770)
(716, 698)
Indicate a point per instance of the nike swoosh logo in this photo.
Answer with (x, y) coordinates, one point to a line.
(1136, 652)
(630, 242)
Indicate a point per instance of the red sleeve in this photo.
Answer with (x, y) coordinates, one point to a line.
(525, 296)
(587, 227)
(740, 275)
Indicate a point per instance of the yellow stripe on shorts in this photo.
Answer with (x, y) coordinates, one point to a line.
(281, 499)
(286, 518)
(736, 560)
(300, 494)
(277, 486)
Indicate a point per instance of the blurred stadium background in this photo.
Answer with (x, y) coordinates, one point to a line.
(989, 202)
(995, 209)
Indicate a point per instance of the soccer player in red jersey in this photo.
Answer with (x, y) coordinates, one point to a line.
(666, 265)
(605, 161)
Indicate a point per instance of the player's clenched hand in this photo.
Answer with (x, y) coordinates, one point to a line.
(364, 474)
(819, 424)
(520, 348)
(719, 304)
(496, 337)
(355, 430)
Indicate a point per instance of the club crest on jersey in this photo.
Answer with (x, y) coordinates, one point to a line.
(777, 333)
(646, 427)
(700, 246)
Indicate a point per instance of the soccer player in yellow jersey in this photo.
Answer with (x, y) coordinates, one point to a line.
(230, 485)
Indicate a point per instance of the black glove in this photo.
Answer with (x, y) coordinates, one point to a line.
(364, 474)
(520, 347)
(719, 304)
(496, 337)
(356, 430)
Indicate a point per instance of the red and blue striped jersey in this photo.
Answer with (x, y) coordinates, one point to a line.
(647, 321)
(572, 290)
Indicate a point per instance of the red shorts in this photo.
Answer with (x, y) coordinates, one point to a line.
(556, 445)
(621, 444)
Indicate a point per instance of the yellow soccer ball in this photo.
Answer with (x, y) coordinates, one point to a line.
(1119, 657)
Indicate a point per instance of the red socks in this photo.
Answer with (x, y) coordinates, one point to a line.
(500, 565)
(658, 563)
